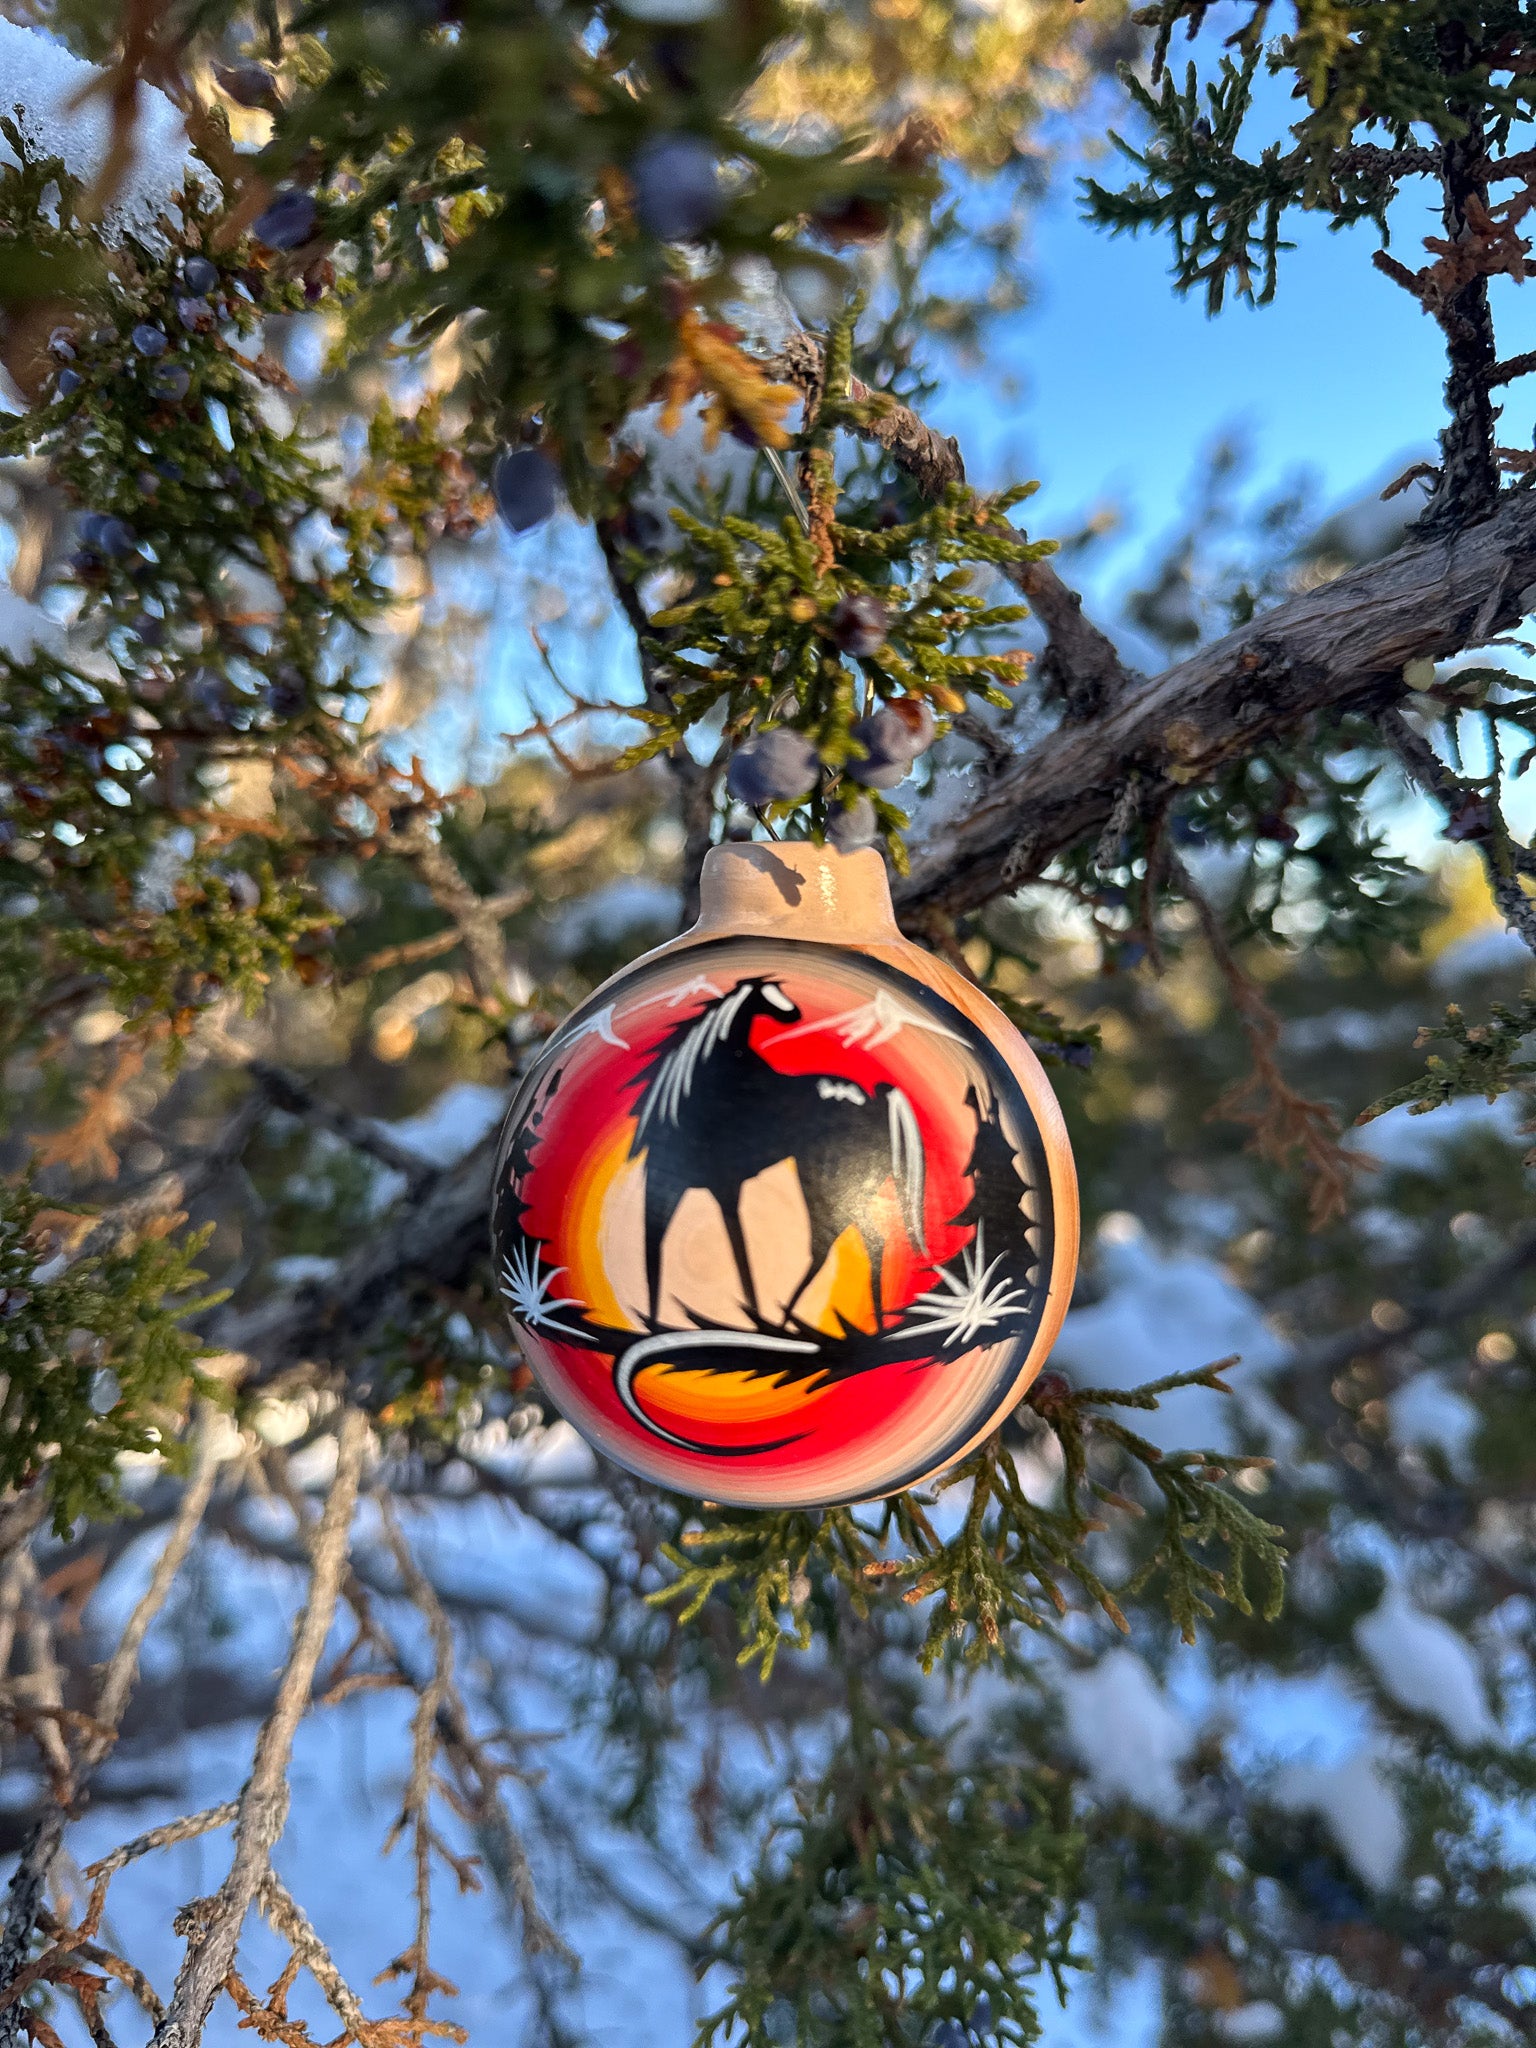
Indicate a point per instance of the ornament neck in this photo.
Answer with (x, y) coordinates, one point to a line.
(800, 890)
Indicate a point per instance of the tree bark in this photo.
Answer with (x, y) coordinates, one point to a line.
(1469, 475)
(1337, 648)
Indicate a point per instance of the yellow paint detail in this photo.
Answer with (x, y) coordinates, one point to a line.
(582, 1233)
(730, 1398)
(842, 1287)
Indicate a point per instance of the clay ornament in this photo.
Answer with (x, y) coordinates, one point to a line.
(785, 1213)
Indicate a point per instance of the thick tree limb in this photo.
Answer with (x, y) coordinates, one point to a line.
(931, 459)
(290, 1092)
(1342, 646)
(1339, 647)
(441, 1233)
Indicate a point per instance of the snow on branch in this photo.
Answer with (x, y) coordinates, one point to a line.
(60, 110)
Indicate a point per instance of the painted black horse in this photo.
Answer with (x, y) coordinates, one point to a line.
(712, 1114)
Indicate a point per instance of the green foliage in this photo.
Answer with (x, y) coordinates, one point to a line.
(1304, 818)
(216, 630)
(908, 1900)
(211, 941)
(1224, 214)
(488, 169)
(758, 641)
(1009, 1560)
(1393, 71)
(1483, 1059)
(98, 1360)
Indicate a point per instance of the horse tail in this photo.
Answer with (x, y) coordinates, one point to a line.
(668, 1343)
(908, 1167)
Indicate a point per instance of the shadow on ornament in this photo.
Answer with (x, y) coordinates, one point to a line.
(785, 1214)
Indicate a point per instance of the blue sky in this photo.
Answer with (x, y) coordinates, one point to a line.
(1108, 387)
(1122, 383)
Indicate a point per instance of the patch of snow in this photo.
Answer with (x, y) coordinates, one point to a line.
(1427, 1412)
(1360, 1807)
(25, 629)
(1040, 1466)
(680, 467)
(298, 1267)
(277, 1421)
(1349, 1030)
(1165, 1312)
(1491, 949)
(1416, 1142)
(1126, 1734)
(1523, 1899)
(1314, 1717)
(614, 911)
(1386, 1230)
(161, 871)
(313, 1469)
(452, 1126)
(42, 86)
(555, 1456)
(951, 797)
(1260, 2021)
(1423, 1664)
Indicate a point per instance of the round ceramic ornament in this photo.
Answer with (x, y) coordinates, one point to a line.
(785, 1214)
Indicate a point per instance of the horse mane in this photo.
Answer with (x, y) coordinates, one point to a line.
(668, 1075)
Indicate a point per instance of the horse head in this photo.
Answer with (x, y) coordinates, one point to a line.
(759, 995)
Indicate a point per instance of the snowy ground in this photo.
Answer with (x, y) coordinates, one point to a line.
(1318, 1743)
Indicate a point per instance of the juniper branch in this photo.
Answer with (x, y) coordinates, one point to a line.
(442, 1717)
(290, 1092)
(1502, 858)
(474, 917)
(1340, 647)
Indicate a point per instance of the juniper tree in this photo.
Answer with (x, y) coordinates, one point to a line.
(425, 271)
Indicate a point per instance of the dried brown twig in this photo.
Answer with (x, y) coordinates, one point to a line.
(479, 1775)
(212, 1926)
(411, 952)
(72, 1772)
(474, 918)
(1288, 1127)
